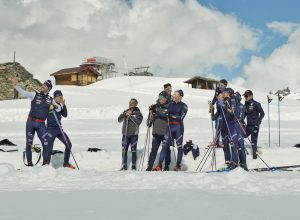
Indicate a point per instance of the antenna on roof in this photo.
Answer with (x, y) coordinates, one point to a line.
(14, 57)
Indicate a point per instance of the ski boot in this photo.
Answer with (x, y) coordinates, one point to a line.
(177, 168)
(232, 165)
(149, 169)
(158, 168)
(166, 168)
(68, 165)
(45, 162)
(133, 167)
(244, 166)
(30, 164)
(124, 167)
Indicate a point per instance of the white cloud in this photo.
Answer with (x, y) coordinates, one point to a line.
(284, 28)
(280, 69)
(174, 37)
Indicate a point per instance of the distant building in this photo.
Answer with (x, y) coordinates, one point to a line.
(140, 71)
(90, 71)
(199, 82)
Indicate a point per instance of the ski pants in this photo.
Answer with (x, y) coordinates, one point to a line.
(52, 134)
(230, 141)
(172, 132)
(253, 131)
(31, 128)
(132, 141)
(156, 141)
(241, 145)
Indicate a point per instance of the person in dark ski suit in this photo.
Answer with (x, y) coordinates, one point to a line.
(177, 111)
(131, 118)
(168, 90)
(218, 121)
(240, 126)
(159, 122)
(40, 104)
(59, 108)
(255, 115)
(229, 131)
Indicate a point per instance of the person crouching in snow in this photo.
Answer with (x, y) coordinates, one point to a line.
(53, 130)
(131, 118)
(176, 113)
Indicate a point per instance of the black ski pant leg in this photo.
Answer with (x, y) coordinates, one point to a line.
(156, 140)
(68, 146)
(125, 145)
(178, 132)
(42, 134)
(253, 131)
(133, 143)
(226, 148)
(168, 155)
(51, 135)
(30, 131)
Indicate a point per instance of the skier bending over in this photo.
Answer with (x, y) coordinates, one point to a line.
(176, 113)
(131, 118)
(58, 108)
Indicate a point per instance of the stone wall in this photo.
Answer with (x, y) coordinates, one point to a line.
(26, 80)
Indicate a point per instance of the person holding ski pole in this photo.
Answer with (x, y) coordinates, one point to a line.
(230, 133)
(159, 122)
(221, 86)
(40, 104)
(240, 126)
(59, 108)
(177, 111)
(255, 115)
(131, 118)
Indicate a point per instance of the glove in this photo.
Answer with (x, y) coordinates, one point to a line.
(51, 108)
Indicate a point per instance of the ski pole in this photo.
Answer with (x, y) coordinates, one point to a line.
(63, 134)
(269, 101)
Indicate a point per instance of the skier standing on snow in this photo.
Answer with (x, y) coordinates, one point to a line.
(131, 118)
(221, 86)
(240, 126)
(255, 115)
(53, 130)
(176, 113)
(40, 104)
(230, 134)
(159, 122)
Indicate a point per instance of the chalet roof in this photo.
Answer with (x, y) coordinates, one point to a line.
(201, 78)
(68, 71)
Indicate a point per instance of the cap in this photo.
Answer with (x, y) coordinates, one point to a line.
(247, 93)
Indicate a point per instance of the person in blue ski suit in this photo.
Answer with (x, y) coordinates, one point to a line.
(177, 111)
(229, 129)
(218, 120)
(255, 115)
(131, 118)
(240, 126)
(159, 122)
(59, 108)
(40, 104)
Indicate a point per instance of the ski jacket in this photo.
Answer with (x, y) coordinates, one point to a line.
(59, 111)
(159, 119)
(40, 103)
(254, 113)
(177, 112)
(131, 124)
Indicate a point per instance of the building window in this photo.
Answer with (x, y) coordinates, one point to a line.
(73, 78)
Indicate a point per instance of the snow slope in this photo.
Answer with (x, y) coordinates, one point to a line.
(99, 191)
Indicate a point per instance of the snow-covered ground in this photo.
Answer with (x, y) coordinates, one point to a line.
(100, 191)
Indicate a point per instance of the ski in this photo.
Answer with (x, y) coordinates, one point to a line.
(278, 168)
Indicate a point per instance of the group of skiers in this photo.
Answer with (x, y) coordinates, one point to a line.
(231, 126)
(166, 119)
(44, 107)
(167, 115)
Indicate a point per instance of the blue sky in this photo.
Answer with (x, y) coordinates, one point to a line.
(256, 14)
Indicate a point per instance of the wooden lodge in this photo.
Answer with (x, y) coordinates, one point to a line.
(79, 76)
(199, 82)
